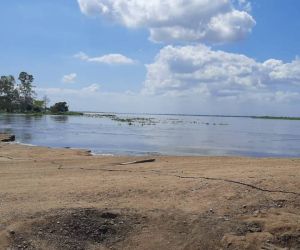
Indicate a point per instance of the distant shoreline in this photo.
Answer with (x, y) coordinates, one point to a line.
(277, 118)
(194, 115)
(266, 117)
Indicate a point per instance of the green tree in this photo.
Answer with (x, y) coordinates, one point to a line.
(9, 95)
(59, 107)
(26, 92)
(38, 105)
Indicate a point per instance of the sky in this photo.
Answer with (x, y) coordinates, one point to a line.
(223, 57)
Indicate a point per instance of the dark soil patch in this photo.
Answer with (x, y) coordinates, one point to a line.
(249, 227)
(76, 229)
(288, 240)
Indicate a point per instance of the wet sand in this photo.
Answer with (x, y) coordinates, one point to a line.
(68, 199)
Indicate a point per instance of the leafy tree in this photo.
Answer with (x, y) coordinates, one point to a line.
(59, 107)
(9, 95)
(38, 105)
(21, 97)
(26, 91)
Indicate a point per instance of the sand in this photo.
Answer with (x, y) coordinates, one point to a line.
(69, 199)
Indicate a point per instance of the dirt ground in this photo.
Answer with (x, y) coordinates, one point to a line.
(68, 199)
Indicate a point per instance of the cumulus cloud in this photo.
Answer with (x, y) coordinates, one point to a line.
(111, 59)
(218, 74)
(70, 78)
(215, 21)
(284, 72)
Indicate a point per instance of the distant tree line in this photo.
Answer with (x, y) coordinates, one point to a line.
(20, 97)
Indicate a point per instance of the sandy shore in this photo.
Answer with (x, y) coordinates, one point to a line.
(68, 199)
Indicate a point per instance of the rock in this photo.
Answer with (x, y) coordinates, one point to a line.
(256, 213)
(7, 137)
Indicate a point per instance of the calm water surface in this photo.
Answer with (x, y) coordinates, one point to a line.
(165, 134)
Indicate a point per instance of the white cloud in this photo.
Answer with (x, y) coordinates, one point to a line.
(92, 88)
(199, 70)
(284, 72)
(215, 21)
(70, 78)
(111, 59)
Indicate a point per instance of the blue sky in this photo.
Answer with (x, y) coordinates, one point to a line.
(156, 60)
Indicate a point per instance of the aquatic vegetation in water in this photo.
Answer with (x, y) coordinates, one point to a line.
(143, 121)
(131, 121)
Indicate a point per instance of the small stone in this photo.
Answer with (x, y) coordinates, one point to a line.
(12, 232)
(256, 213)
(244, 206)
(211, 210)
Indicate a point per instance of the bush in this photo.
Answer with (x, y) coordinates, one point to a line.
(59, 107)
